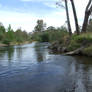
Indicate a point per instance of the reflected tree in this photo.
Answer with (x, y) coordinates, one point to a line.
(39, 52)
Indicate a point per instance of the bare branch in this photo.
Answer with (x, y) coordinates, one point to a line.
(60, 4)
(88, 5)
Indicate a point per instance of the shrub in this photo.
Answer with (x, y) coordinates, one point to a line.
(7, 42)
(44, 37)
(88, 50)
(80, 40)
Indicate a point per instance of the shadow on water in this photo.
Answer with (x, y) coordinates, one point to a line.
(83, 74)
(7, 52)
(40, 51)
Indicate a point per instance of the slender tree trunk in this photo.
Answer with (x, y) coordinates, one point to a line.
(68, 20)
(88, 12)
(85, 23)
(75, 17)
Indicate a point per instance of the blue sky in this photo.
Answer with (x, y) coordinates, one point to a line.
(24, 13)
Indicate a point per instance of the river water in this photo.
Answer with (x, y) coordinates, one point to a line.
(32, 68)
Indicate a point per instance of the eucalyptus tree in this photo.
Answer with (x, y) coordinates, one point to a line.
(68, 19)
(75, 17)
(40, 26)
(88, 12)
(67, 15)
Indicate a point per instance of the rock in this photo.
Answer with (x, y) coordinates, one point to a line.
(64, 49)
(59, 49)
(55, 46)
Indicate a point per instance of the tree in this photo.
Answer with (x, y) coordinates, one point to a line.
(75, 17)
(18, 35)
(10, 33)
(89, 27)
(88, 12)
(2, 31)
(2, 28)
(25, 35)
(40, 26)
(51, 28)
(68, 19)
(67, 15)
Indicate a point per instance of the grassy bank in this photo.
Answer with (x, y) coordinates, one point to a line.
(15, 43)
(77, 44)
(61, 42)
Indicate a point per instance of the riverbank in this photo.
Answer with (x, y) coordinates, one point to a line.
(15, 43)
(76, 45)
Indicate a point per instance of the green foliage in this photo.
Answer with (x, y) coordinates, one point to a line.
(50, 35)
(10, 34)
(40, 26)
(10, 37)
(44, 37)
(21, 36)
(73, 45)
(88, 50)
(6, 41)
(80, 40)
(2, 31)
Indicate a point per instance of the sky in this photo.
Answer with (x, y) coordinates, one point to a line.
(25, 13)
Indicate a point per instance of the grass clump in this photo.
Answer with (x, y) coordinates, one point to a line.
(78, 41)
(88, 51)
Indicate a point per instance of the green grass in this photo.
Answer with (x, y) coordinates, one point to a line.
(88, 51)
(80, 40)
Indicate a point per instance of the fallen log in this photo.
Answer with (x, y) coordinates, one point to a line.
(75, 52)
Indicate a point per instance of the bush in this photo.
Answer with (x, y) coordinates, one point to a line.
(7, 42)
(80, 40)
(88, 50)
(49, 35)
(73, 45)
(44, 37)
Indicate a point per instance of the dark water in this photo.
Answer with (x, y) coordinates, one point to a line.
(30, 68)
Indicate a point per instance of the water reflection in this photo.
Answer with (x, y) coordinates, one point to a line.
(21, 70)
(84, 74)
(19, 52)
(40, 51)
(7, 52)
(10, 52)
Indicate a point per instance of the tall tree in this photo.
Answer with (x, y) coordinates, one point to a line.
(40, 26)
(2, 31)
(67, 14)
(68, 19)
(2, 28)
(88, 12)
(10, 33)
(75, 17)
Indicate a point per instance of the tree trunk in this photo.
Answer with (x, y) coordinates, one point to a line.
(85, 23)
(75, 17)
(88, 12)
(68, 20)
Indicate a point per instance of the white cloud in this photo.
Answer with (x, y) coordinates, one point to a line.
(28, 21)
(23, 20)
(52, 5)
(57, 18)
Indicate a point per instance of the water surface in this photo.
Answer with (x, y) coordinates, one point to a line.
(31, 68)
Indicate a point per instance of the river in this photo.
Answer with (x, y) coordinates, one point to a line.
(33, 68)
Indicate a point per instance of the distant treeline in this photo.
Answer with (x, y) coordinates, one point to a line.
(50, 34)
(9, 36)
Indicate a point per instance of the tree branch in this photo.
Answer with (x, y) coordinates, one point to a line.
(88, 5)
